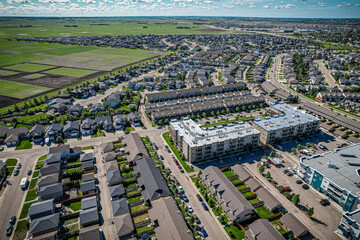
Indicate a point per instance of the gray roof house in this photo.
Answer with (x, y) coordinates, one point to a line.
(119, 122)
(243, 174)
(53, 131)
(53, 158)
(171, 224)
(113, 177)
(228, 196)
(88, 177)
(111, 166)
(51, 191)
(123, 225)
(90, 233)
(36, 133)
(44, 225)
(262, 229)
(2, 167)
(49, 169)
(105, 123)
(47, 180)
(297, 227)
(134, 119)
(89, 216)
(269, 200)
(88, 187)
(76, 110)
(15, 135)
(89, 202)
(71, 129)
(116, 191)
(150, 180)
(109, 156)
(107, 147)
(88, 165)
(41, 209)
(120, 207)
(253, 184)
(87, 127)
(86, 157)
(134, 147)
(97, 107)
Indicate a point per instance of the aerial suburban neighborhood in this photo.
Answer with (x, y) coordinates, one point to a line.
(145, 126)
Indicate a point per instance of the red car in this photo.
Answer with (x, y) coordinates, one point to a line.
(179, 167)
(287, 189)
(215, 117)
(176, 161)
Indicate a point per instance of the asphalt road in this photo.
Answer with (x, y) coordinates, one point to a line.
(327, 73)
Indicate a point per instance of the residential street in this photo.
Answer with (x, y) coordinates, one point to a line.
(327, 73)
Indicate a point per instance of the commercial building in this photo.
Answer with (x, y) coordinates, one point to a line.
(336, 174)
(289, 123)
(350, 225)
(199, 144)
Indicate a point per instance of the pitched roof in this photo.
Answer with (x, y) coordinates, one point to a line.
(59, 149)
(108, 147)
(88, 202)
(241, 172)
(298, 228)
(262, 229)
(88, 177)
(170, 220)
(253, 184)
(270, 201)
(87, 186)
(48, 180)
(151, 179)
(90, 233)
(109, 156)
(111, 166)
(116, 190)
(120, 207)
(123, 224)
(135, 146)
(41, 207)
(86, 157)
(89, 215)
(113, 176)
(53, 158)
(55, 189)
(44, 223)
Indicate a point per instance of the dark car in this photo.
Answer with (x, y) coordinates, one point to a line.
(12, 220)
(324, 202)
(286, 171)
(161, 157)
(16, 172)
(1, 148)
(29, 172)
(205, 206)
(197, 220)
(204, 233)
(305, 186)
(299, 181)
(185, 198)
(168, 169)
(18, 166)
(199, 197)
(9, 230)
(290, 174)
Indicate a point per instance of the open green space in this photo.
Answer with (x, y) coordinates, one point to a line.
(26, 144)
(87, 148)
(29, 67)
(11, 59)
(242, 186)
(20, 125)
(186, 167)
(43, 157)
(11, 162)
(263, 212)
(236, 180)
(29, 118)
(123, 52)
(70, 221)
(33, 76)
(68, 50)
(70, 72)
(134, 199)
(143, 229)
(20, 90)
(36, 174)
(278, 227)
(254, 200)
(138, 208)
(31, 195)
(10, 170)
(7, 73)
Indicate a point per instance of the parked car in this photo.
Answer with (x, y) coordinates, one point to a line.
(1, 148)
(205, 206)
(168, 169)
(29, 172)
(197, 220)
(181, 189)
(18, 166)
(12, 220)
(199, 197)
(9, 230)
(16, 172)
(290, 174)
(161, 157)
(286, 171)
(324, 202)
(184, 197)
(299, 181)
(287, 188)
(204, 233)
(305, 186)
(190, 209)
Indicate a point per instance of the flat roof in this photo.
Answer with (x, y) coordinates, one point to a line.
(195, 135)
(347, 162)
(291, 116)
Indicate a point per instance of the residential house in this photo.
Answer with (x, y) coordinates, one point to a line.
(111, 166)
(134, 119)
(262, 229)
(296, 226)
(105, 123)
(107, 147)
(71, 129)
(47, 180)
(41, 209)
(76, 110)
(45, 225)
(36, 133)
(88, 177)
(109, 156)
(134, 148)
(90, 233)
(3, 132)
(15, 135)
(89, 217)
(53, 158)
(270, 202)
(84, 157)
(119, 122)
(113, 100)
(53, 191)
(3, 168)
(123, 225)
(113, 177)
(53, 131)
(117, 191)
(120, 207)
(88, 165)
(88, 187)
(88, 127)
(97, 107)
(49, 169)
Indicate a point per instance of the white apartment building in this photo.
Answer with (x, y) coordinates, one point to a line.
(291, 122)
(200, 144)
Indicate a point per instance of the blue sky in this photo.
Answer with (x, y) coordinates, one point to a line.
(239, 8)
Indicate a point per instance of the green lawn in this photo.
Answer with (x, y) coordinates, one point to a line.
(68, 50)
(31, 195)
(33, 76)
(138, 208)
(29, 67)
(36, 174)
(278, 227)
(70, 72)
(70, 221)
(21, 225)
(234, 232)
(87, 148)
(33, 183)
(143, 229)
(263, 212)
(224, 122)
(99, 133)
(75, 206)
(43, 157)
(249, 193)
(11, 162)
(186, 167)
(134, 199)
(25, 209)
(7, 73)
(26, 144)
(254, 200)
(228, 173)
(11, 59)
(217, 211)
(236, 180)
(20, 90)
(20, 125)
(240, 187)
(29, 118)
(10, 170)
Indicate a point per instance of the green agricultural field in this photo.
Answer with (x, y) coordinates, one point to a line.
(123, 52)
(29, 67)
(67, 50)
(7, 73)
(11, 59)
(70, 72)
(33, 76)
(20, 90)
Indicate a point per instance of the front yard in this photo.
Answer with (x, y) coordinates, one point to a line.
(26, 144)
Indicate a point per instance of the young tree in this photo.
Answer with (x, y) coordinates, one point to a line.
(308, 144)
(160, 122)
(299, 146)
(212, 113)
(281, 189)
(310, 212)
(287, 195)
(272, 154)
(261, 169)
(237, 109)
(268, 175)
(204, 115)
(227, 111)
(293, 150)
(296, 199)
(59, 139)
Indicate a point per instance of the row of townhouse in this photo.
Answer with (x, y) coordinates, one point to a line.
(337, 96)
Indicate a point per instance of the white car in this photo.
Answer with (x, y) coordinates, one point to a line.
(190, 209)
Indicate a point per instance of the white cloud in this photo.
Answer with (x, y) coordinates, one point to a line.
(252, 6)
(54, 1)
(287, 6)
